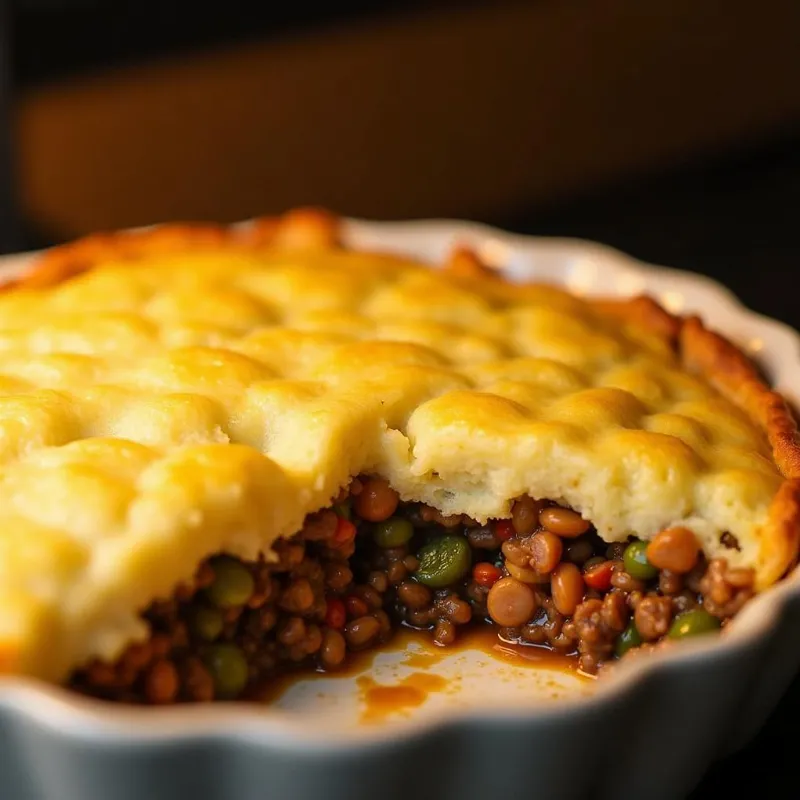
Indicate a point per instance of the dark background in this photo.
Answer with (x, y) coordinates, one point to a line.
(730, 212)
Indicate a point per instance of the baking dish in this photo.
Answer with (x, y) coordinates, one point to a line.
(693, 704)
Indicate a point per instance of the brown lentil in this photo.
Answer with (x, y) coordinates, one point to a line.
(395, 553)
(516, 553)
(262, 594)
(370, 597)
(483, 538)
(376, 501)
(579, 551)
(510, 602)
(320, 526)
(396, 572)
(196, 680)
(429, 514)
(338, 576)
(563, 522)
(356, 607)
(315, 603)
(297, 597)
(378, 581)
(444, 632)
(675, 549)
(526, 574)
(525, 516)
(292, 631)
(546, 550)
(161, 683)
(384, 622)
(138, 656)
(360, 632)
(567, 587)
(160, 645)
(454, 609)
(333, 649)
(414, 595)
(421, 618)
(313, 640)
(411, 563)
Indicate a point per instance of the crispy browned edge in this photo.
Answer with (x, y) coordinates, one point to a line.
(702, 351)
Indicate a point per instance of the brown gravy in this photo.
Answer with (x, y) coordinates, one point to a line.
(382, 700)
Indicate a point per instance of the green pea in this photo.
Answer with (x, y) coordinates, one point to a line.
(636, 563)
(627, 640)
(228, 668)
(443, 561)
(693, 623)
(233, 584)
(206, 623)
(393, 532)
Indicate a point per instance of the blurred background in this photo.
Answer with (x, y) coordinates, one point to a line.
(670, 129)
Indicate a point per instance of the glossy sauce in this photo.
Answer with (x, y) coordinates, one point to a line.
(380, 700)
(383, 700)
(485, 639)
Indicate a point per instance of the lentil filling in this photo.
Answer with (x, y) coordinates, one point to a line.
(358, 570)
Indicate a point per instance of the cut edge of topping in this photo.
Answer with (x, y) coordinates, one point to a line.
(369, 563)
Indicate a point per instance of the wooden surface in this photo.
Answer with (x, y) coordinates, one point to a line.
(454, 112)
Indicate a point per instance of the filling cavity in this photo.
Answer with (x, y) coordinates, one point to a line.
(358, 570)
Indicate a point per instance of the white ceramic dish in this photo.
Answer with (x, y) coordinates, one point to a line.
(705, 697)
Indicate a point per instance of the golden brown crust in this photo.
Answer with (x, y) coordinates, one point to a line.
(734, 375)
(300, 229)
(780, 550)
(65, 261)
(642, 311)
(702, 351)
(463, 262)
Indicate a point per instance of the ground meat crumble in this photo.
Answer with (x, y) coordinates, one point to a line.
(358, 570)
